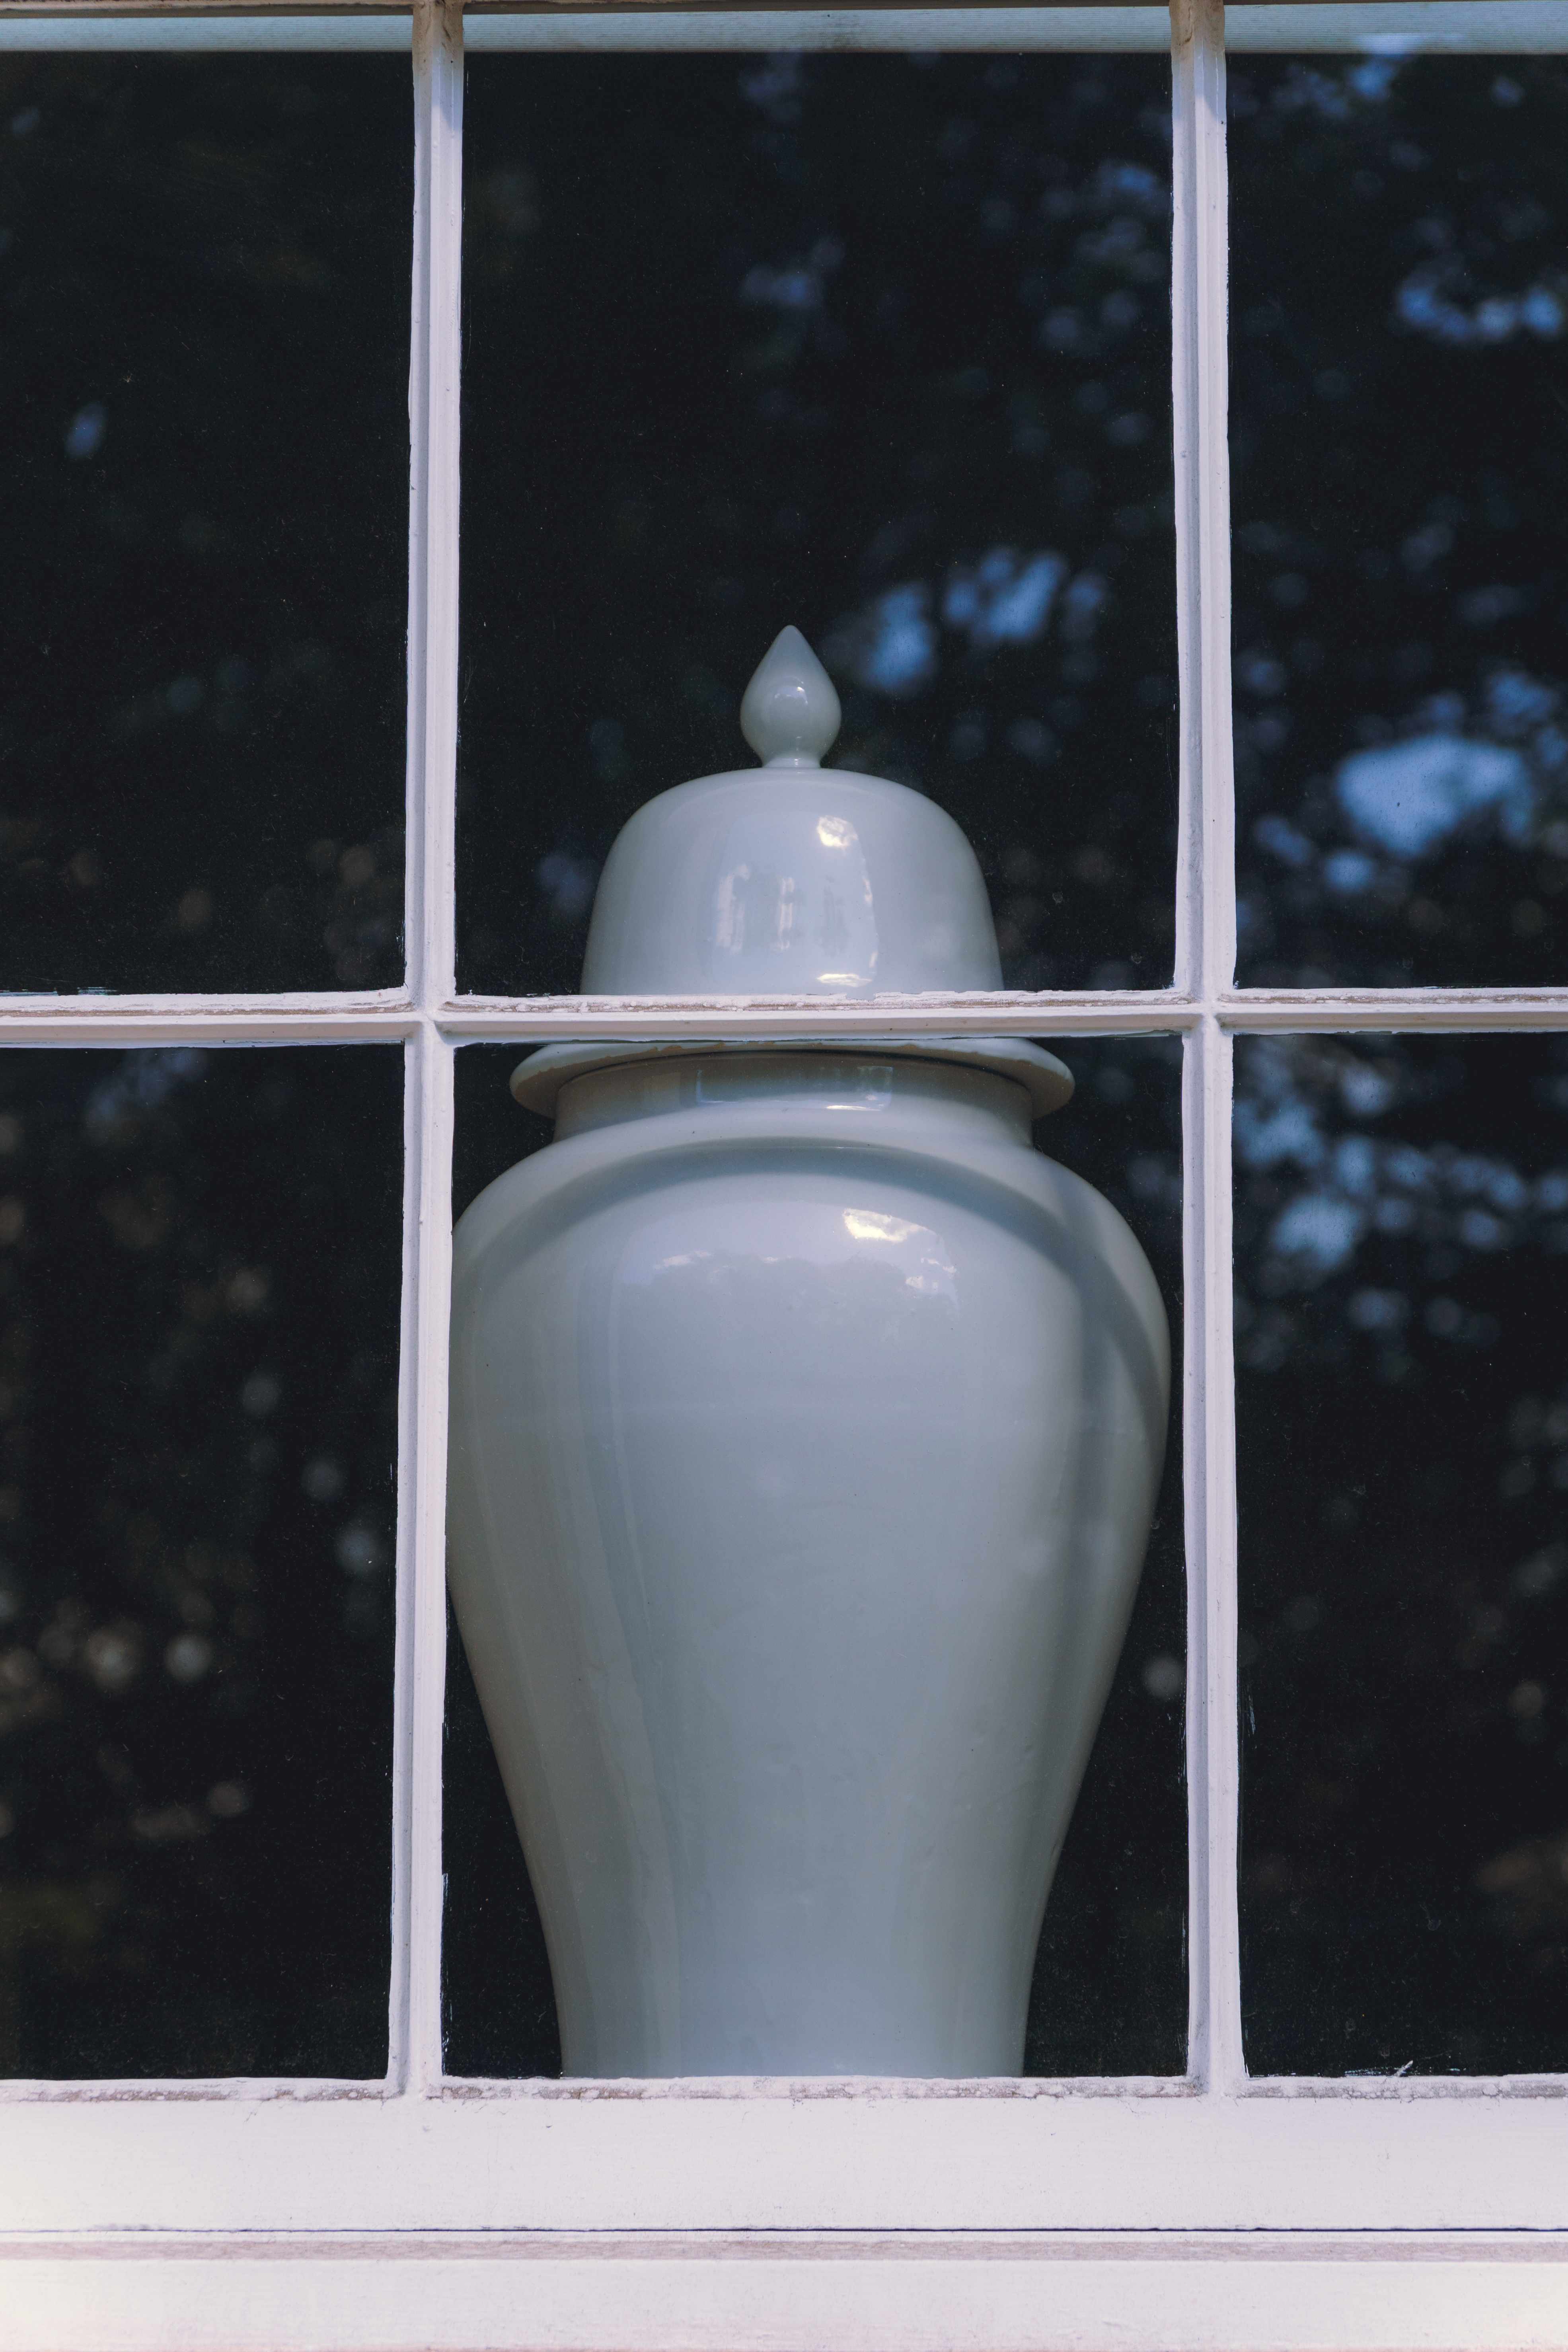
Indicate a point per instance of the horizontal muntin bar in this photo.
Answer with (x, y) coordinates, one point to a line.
(470, 1019)
(1388, 27)
(596, 2090)
(1004, 2090)
(620, 31)
(1399, 27)
(1070, 1012)
(127, 1021)
(187, 2090)
(1249, 1011)
(124, 1020)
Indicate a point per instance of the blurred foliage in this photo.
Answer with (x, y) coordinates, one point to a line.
(877, 345)
(204, 290)
(1399, 306)
(1402, 1264)
(1109, 1994)
(199, 1260)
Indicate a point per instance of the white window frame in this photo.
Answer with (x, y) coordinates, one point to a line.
(1216, 2209)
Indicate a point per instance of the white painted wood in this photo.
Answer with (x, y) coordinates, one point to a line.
(1206, 892)
(419, 1667)
(611, 30)
(1185, 407)
(1114, 29)
(1063, 1013)
(1214, 2053)
(1399, 27)
(1206, 960)
(434, 479)
(415, 2056)
(991, 2294)
(789, 2156)
(434, 366)
(416, 1055)
(1489, 27)
(123, 1021)
(1393, 1008)
(1017, 1015)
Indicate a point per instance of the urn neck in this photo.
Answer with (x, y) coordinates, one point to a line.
(955, 1102)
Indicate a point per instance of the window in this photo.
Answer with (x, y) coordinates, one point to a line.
(1220, 2205)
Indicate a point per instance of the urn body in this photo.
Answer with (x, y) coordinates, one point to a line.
(806, 1425)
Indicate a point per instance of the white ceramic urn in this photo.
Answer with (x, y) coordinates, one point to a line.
(806, 1430)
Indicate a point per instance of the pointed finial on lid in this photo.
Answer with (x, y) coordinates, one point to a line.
(789, 713)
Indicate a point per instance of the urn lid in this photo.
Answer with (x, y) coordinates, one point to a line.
(790, 879)
(793, 880)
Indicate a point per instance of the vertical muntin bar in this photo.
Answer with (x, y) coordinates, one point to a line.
(1206, 886)
(433, 412)
(1205, 963)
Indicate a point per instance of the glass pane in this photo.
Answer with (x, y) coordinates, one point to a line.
(875, 346)
(203, 276)
(1109, 1987)
(1398, 309)
(199, 1265)
(1402, 1252)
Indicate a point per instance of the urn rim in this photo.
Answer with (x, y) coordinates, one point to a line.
(537, 1081)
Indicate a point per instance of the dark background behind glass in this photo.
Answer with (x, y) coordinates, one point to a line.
(203, 467)
(1399, 452)
(199, 1256)
(879, 346)
(1402, 1264)
(1109, 1994)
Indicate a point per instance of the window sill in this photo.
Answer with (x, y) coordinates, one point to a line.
(657, 2293)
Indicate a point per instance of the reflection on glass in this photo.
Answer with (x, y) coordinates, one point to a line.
(1402, 1250)
(1109, 1992)
(204, 281)
(907, 391)
(198, 1330)
(1399, 309)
